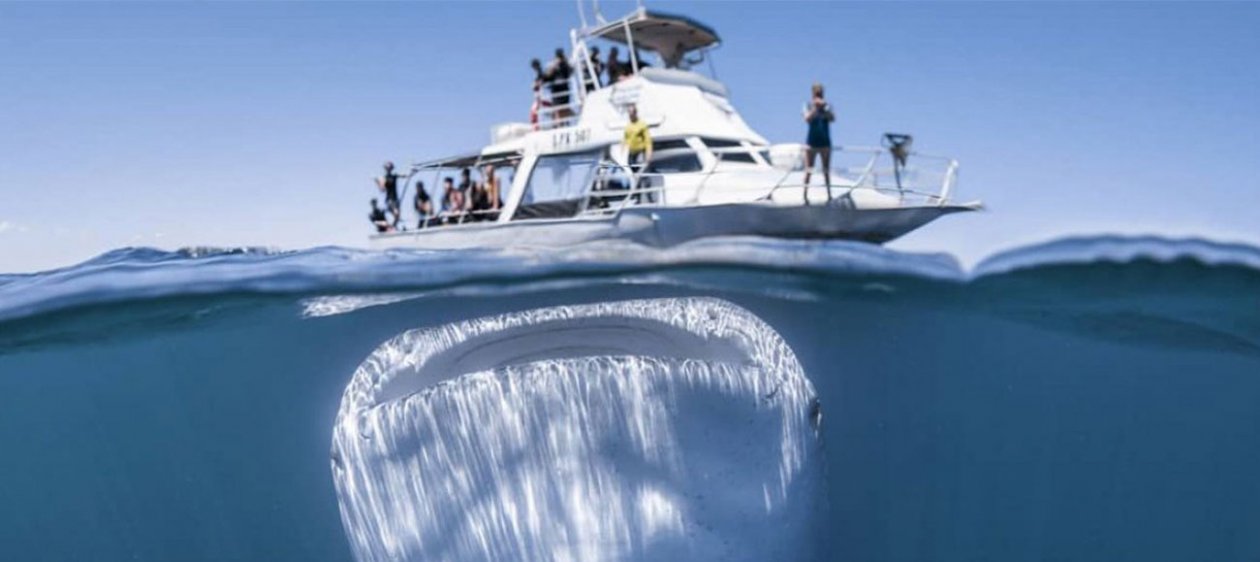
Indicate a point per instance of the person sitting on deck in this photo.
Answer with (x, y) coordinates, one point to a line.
(388, 183)
(479, 203)
(377, 216)
(488, 198)
(452, 202)
(423, 205)
(495, 188)
(465, 181)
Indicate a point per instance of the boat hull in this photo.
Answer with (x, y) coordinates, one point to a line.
(667, 226)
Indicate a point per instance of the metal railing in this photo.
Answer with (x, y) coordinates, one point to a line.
(643, 186)
(616, 186)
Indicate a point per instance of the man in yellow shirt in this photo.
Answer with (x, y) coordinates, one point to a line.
(638, 142)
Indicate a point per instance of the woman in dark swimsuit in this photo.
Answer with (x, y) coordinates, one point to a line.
(819, 116)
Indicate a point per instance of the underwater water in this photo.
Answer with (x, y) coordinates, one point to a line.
(1085, 399)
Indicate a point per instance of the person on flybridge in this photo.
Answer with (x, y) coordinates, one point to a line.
(617, 70)
(558, 73)
(597, 68)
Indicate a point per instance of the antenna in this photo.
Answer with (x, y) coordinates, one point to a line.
(582, 13)
(599, 15)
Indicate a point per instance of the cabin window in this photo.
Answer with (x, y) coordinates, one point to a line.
(558, 185)
(670, 144)
(673, 156)
(675, 164)
(729, 156)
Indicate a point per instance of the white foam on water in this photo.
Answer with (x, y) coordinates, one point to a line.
(332, 305)
(696, 440)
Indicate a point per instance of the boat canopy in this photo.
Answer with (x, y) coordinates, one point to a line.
(470, 160)
(669, 35)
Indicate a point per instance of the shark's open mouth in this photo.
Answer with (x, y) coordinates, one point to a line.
(654, 429)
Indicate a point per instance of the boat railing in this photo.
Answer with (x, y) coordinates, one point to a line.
(616, 186)
(555, 116)
(447, 219)
(929, 182)
(922, 178)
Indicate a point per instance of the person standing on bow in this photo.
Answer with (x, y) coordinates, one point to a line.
(818, 116)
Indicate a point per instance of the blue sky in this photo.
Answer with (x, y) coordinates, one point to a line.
(227, 124)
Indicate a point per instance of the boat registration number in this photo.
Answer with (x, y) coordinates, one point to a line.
(565, 139)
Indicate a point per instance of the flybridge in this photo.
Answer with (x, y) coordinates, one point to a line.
(679, 44)
(672, 37)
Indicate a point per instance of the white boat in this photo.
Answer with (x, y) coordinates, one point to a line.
(565, 178)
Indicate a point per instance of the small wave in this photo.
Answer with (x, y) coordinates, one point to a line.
(136, 274)
(139, 274)
(1085, 250)
(142, 254)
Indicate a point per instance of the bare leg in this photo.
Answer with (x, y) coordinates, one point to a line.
(809, 167)
(826, 163)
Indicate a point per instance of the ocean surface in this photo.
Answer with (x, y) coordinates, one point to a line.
(733, 399)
